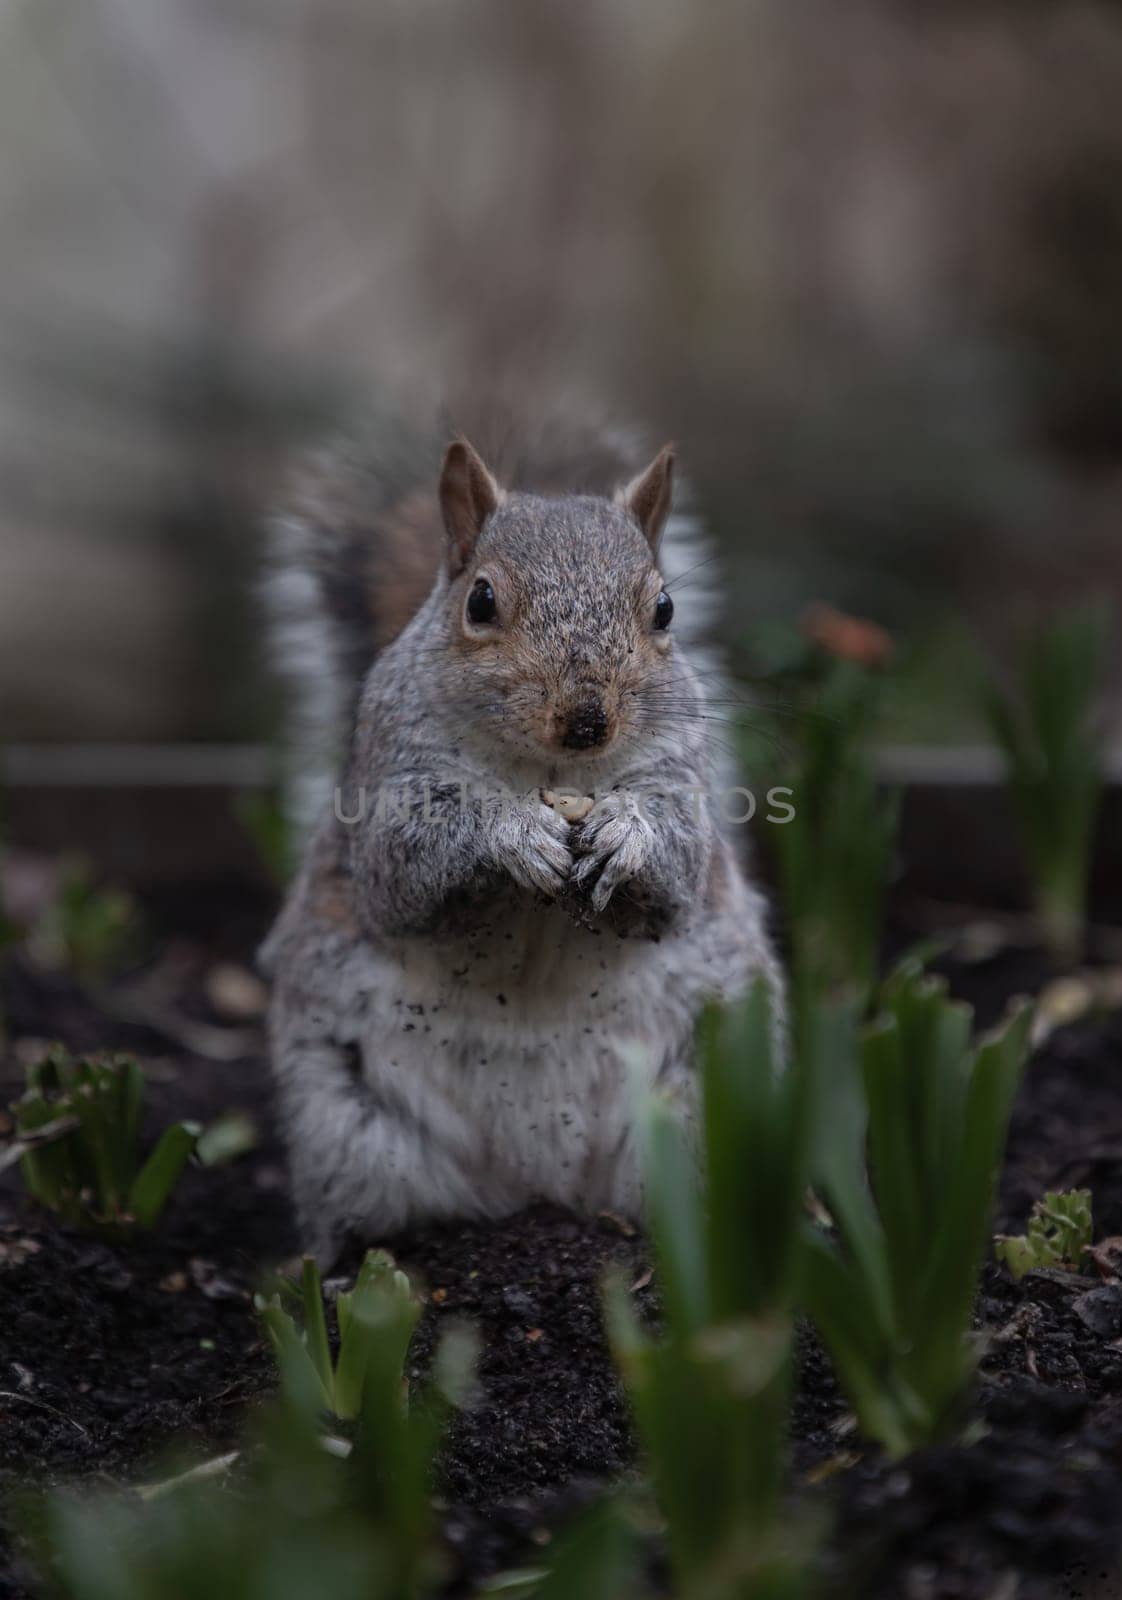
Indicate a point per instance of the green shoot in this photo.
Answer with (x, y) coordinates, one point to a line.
(892, 1295)
(92, 932)
(381, 1303)
(77, 1135)
(399, 1432)
(292, 1534)
(1054, 758)
(711, 1394)
(1059, 1231)
(835, 856)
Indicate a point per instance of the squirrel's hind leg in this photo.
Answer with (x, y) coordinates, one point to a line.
(359, 1169)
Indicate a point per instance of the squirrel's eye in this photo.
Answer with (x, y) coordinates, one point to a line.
(481, 605)
(664, 610)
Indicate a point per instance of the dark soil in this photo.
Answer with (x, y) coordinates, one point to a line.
(111, 1353)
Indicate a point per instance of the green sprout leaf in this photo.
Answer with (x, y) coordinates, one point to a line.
(1059, 1231)
(77, 1134)
(375, 1318)
(262, 814)
(1046, 728)
(151, 1189)
(892, 1293)
(710, 1394)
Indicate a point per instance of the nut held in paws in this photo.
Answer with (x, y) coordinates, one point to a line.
(573, 807)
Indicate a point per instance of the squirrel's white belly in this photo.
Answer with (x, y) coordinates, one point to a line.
(516, 1050)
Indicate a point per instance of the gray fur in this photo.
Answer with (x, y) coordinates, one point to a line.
(465, 983)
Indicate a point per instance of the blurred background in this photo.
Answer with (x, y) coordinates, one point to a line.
(863, 263)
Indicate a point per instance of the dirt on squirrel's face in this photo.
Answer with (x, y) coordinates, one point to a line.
(561, 631)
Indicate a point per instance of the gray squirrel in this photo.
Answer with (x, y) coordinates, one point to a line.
(469, 977)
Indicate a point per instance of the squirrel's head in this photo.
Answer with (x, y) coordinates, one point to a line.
(559, 623)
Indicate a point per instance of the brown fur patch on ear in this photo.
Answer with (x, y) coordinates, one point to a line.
(648, 496)
(468, 496)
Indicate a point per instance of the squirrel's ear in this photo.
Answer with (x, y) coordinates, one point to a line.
(648, 496)
(468, 495)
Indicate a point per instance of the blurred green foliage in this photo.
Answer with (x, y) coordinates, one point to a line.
(835, 856)
(263, 815)
(91, 930)
(306, 1516)
(1054, 749)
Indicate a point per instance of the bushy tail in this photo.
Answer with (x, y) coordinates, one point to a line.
(356, 547)
(351, 554)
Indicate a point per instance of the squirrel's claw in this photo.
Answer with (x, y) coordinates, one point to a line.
(612, 845)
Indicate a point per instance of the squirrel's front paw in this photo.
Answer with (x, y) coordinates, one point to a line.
(613, 844)
(533, 843)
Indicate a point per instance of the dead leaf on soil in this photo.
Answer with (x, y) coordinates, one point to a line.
(46, 1134)
(1107, 1255)
(1062, 1001)
(628, 1229)
(829, 1468)
(14, 1252)
(205, 1469)
(235, 993)
(642, 1280)
(1020, 1324)
(207, 1278)
(980, 941)
(1068, 999)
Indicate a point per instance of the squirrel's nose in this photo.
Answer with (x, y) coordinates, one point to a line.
(586, 726)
